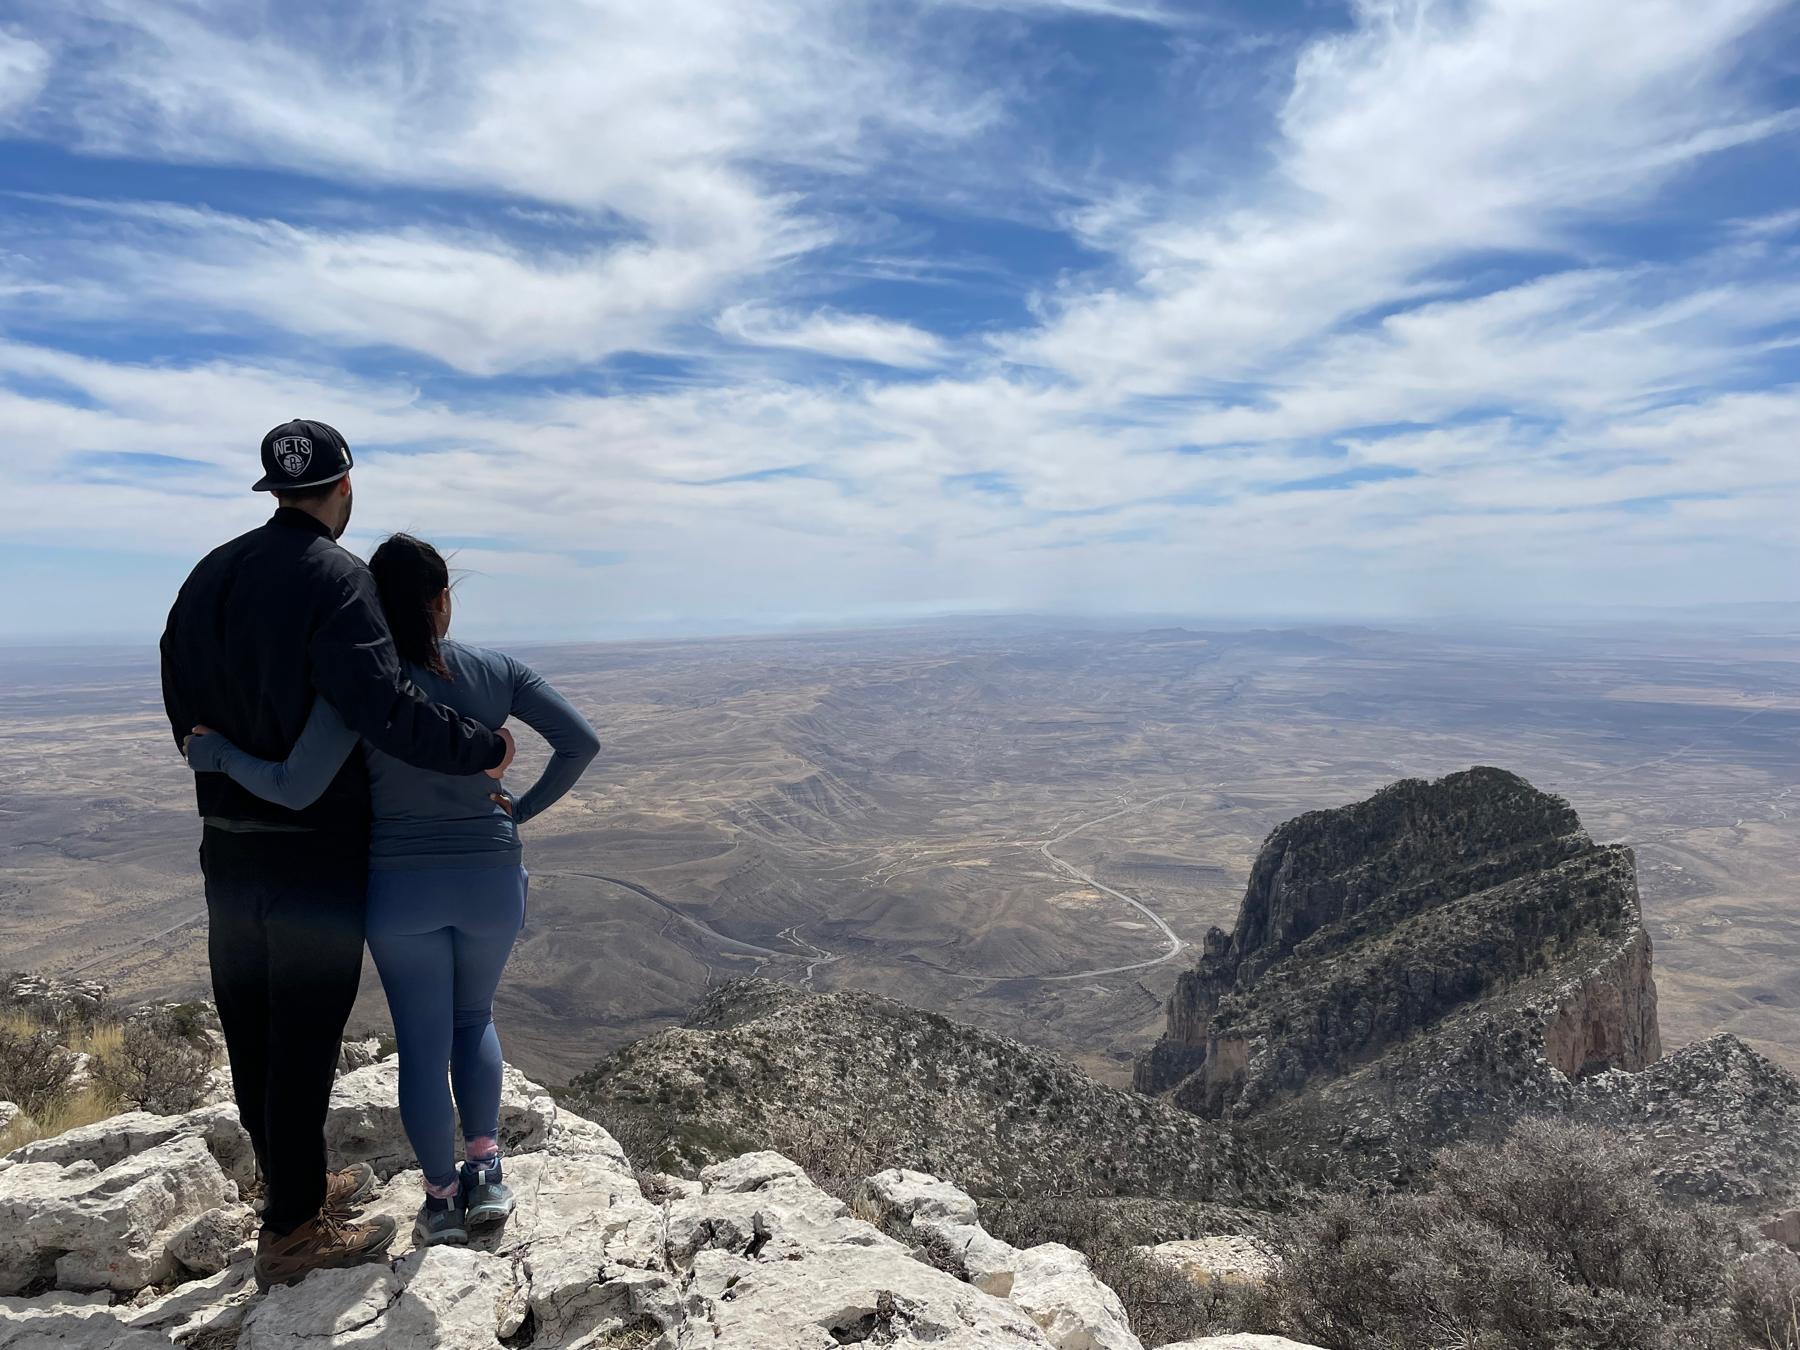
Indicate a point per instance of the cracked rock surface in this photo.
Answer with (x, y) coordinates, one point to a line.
(128, 1215)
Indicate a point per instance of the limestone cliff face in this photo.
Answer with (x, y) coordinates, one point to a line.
(1607, 1018)
(1473, 913)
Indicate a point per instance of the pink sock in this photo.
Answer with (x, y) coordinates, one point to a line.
(443, 1192)
(482, 1149)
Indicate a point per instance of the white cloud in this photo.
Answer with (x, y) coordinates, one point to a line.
(473, 301)
(24, 67)
(1139, 11)
(1580, 345)
(855, 337)
(663, 129)
(654, 112)
(1430, 132)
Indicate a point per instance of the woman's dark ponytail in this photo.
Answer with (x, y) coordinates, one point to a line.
(409, 577)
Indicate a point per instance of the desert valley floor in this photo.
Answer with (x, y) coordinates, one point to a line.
(1025, 825)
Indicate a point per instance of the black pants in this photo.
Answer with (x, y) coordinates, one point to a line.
(285, 945)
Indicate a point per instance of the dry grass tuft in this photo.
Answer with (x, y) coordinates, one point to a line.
(151, 1064)
(101, 1040)
(82, 1108)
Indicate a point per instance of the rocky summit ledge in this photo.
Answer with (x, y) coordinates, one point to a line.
(134, 1233)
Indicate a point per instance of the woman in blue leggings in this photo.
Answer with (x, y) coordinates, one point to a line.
(446, 881)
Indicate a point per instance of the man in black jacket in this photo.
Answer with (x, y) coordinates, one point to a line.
(264, 625)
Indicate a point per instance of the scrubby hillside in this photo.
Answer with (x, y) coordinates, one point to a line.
(855, 1081)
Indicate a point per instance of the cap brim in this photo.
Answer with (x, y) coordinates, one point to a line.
(269, 484)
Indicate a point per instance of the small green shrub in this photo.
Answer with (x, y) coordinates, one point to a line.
(156, 1068)
(1554, 1239)
(35, 1067)
(1765, 1300)
(190, 1021)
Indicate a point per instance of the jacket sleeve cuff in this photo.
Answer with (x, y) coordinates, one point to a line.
(206, 754)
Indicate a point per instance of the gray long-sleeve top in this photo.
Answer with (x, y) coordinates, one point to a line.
(426, 819)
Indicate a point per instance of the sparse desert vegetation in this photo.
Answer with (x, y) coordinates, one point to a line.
(67, 1065)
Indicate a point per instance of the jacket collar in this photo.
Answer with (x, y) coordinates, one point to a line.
(296, 519)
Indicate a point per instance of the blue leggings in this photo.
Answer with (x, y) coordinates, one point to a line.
(440, 937)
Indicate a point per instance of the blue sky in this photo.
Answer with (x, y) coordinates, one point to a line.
(705, 314)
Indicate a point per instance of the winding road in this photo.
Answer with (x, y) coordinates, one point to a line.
(1069, 869)
(698, 925)
(816, 956)
(1174, 944)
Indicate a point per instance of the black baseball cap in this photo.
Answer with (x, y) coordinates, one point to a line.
(302, 454)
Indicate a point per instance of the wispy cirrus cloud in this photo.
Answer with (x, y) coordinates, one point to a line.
(24, 66)
(856, 337)
(1430, 133)
(475, 300)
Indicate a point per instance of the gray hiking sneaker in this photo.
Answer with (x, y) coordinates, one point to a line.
(484, 1195)
(436, 1227)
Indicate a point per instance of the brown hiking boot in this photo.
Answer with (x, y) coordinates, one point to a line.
(345, 1189)
(348, 1187)
(323, 1243)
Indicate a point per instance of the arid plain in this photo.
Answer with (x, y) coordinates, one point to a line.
(1022, 824)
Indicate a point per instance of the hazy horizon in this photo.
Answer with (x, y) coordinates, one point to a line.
(1781, 617)
(785, 311)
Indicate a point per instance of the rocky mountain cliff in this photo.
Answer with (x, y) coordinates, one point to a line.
(854, 1080)
(1440, 960)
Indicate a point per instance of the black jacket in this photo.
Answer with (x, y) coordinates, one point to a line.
(272, 620)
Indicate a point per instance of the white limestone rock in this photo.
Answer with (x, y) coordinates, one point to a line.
(917, 1195)
(992, 1265)
(215, 1240)
(945, 1216)
(757, 1204)
(216, 1089)
(753, 1255)
(81, 1072)
(9, 1113)
(442, 1298)
(103, 1143)
(768, 1259)
(358, 1055)
(56, 1301)
(841, 1295)
(110, 1141)
(217, 1303)
(50, 998)
(363, 1123)
(580, 1233)
(72, 1331)
(1230, 1260)
(1241, 1341)
(97, 1228)
(1076, 1310)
